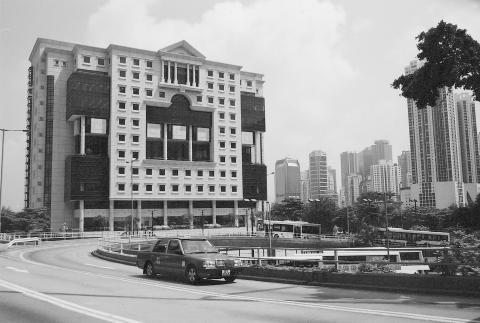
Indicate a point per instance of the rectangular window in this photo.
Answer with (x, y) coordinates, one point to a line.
(222, 159)
(135, 155)
(221, 115)
(199, 188)
(122, 59)
(199, 173)
(135, 138)
(199, 98)
(149, 77)
(222, 130)
(161, 94)
(121, 187)
(149, 64)
(96, 126)
(121, 121)
(223, 188)
(135, 187)
(232, 102)
(86, 59)
(221, 75)
(188, 173)
(136, 62)
(249, 83)
(135, 122)
(201, 134)
(210, 73)
(122, 89)
(210, 85)
(247, 138)
(223, 173)
(122, 74)
(234, 188)
(135, 75)
(221, 101)
(234, 174)
(232, 89)
(211, 188)
(221, 87)
(161, 172)
(135, 171)
(233, 145)
(222, 144)
(148, 171)
(211, 173)
(232, 116)
(121, 170)
(174, 187)
(101, 61)
(135, 90)
(135, 107)
(121, 138)
(232, 77)
(177, 132)
(161, 187)
(148, 187)
(149, 92)
(210, 100)
(121, 154)
(174, 172)
(233, 131)
(188, 188)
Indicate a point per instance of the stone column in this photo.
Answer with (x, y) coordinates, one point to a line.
(165, 213)
(176, 73)
(190, 213)
(194, 83)
(190, 143)
(81, 217)
(188, 74)
(111, 216)
(235, 212)
(165, 141)
(214, 212)
(169, 79)
(82, 135)
(161, 71)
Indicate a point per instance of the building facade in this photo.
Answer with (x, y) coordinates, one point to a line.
(287, 179)
(405, 164)
(163, 136)
(318, 174)
(304, 186)
(350, 165)
(435, 142)
(385, 177)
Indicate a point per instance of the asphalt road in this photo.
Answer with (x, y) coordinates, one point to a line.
(62, 282)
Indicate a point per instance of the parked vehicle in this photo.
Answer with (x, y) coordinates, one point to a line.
(413, 237)
(288, 229)
(194, 259)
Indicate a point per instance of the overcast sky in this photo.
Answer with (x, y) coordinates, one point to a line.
(328, 65)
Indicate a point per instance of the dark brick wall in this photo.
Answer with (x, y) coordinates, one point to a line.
(254, 181)
(88, 94)
(253, 112)
(92, 172)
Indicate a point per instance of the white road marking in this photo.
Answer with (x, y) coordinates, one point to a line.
(421, 317)
(92, 265)
(18, 270)
(66, 305)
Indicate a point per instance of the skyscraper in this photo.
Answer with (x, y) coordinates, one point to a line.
(382, 150)
(304, 186)
(435, 142)
(349, 162)
(287, 179)
(353, 184)
(385, 177)
(318, 174)
(405, 164)
(122, 132)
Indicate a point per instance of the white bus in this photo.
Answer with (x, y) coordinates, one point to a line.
(288, 229)
(413, 237)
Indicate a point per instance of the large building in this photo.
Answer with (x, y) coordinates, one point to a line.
(436, 150)
(287, 179)
(304, 186)
(405, 164)
(385, 177)
(163, 136)
(318, 174)
(354, 187)
(349, 163)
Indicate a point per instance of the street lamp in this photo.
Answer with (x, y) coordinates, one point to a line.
(269, 229)
(131, 194)
(251, 214)
(1, 167)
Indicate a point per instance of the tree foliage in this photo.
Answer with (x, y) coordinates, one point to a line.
(452, 59)
(26, 220)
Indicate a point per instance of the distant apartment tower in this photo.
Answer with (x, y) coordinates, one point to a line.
(436, 150)
(385, 177)
(380, 150)
(318, 174)
(304, 186)
(163, 136)
(405, 164)
(332, 181)
(353, 185)
(287, 179)
(349, 164)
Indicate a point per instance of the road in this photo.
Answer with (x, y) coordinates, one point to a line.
(62, 282)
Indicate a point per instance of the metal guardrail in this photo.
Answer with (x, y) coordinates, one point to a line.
(23, 241)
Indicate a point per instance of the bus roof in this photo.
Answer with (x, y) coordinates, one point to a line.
(413, 231)
(290, 222)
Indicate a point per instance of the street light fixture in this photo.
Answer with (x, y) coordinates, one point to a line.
(131, 194)
(1, 167)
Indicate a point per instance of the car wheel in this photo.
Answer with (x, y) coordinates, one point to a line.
(276, 236)
(149, 271)
(230, 279)
(191, 275)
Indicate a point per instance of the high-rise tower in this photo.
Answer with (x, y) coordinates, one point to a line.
(318, 174)
(287, 179)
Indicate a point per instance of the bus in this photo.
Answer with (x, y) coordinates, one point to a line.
(288, 229)
(413, 237)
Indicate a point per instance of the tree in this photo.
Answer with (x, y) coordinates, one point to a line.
(322, 212)
(452, 59)
(291, 209)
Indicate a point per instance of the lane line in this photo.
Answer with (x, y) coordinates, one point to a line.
(421, 317)
(104, 267)
(18, 270)
(66, 305)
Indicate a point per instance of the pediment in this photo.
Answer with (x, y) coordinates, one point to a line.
(183, 48)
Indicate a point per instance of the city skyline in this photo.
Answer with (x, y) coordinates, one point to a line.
(302, 116)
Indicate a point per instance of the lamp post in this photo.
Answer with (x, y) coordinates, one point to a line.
(251, 214)
(1, 167)
(131, 194)
(269, 215)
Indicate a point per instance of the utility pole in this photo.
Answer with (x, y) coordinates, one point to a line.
(386, 224)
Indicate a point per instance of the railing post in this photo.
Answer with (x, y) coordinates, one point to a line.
(335, 258)
(121, 247)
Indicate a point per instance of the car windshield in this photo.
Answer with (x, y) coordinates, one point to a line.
(198, 246)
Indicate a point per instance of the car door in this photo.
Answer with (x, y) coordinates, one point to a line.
(158, 256)
(174, 256)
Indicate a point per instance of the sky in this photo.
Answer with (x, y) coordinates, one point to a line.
(327, 65)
